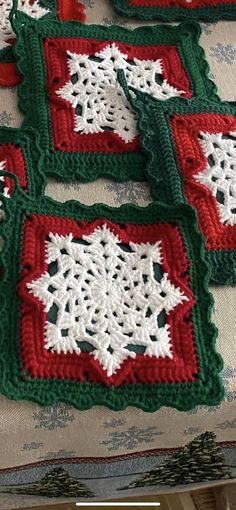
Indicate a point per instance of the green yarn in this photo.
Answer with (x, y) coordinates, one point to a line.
(16, 384)
(163, 172)
(33, 97)
(208, 13)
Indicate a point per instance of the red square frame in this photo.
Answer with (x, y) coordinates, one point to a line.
(40, 363)
(62, 113)
(185, 130)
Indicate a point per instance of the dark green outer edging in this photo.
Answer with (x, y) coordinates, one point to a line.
(206, 390)
(162, 169)
(33, 98)
(6, 54)
(208, 14)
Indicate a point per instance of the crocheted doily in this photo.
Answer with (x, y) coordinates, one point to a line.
(201, 169)
(111, 307)
(60, 9)
(71, 94)
(20, 155)
(167, 10)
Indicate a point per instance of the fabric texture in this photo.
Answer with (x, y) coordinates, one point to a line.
(50, 453)
(88, 135)
(167, 10)
(191, 148)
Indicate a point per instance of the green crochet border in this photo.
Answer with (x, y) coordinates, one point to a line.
(216, 13)
(6, 54)
(162, 167)
(206, 390)
(28, 141)
(33, 98)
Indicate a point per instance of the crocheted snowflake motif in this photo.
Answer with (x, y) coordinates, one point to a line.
(30, 8)
(104, 297)
(220, 173)
(96, 96)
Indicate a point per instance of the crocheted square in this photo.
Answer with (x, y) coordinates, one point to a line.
(70, 90)
(192, 158)
(167, 10)
(106, 306)
(60, 9)
(20, 155)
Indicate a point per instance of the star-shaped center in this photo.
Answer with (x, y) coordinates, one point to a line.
(96, 96)
(106, 297)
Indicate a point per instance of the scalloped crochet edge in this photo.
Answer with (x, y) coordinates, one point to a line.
(69, 166)
(223, 262)
(208, 389)
(207, 14)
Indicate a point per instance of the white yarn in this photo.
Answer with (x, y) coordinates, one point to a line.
(106, 296)
(220, 174)
(35, 11)
(101, 99)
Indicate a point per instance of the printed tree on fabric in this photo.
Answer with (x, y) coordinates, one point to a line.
(219, 176)
(108, 295)
(96, 96)
(55, 484)
(199, 461)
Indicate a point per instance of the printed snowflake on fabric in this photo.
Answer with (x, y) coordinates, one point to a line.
(130, 191)
(6, 118)
(220, 174)
(107, 295)
(224, 53)
(53, 417)
(31, 9)
(96, 96)
(34, 445)
(131, 438)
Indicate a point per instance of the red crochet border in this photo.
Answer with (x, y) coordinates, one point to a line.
(62, 113)
(9, 76)
(71, 10)
(178, 3)
(186, 129)
(67, 10)
(38, 362)
(15, 163)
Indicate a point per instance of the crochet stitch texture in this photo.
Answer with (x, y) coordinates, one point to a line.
(59, 9)
(191, 148)
(70, 91)
(167, 10)
(145, 340)
(20, 154)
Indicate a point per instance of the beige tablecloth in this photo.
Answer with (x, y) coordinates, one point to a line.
(102, 448)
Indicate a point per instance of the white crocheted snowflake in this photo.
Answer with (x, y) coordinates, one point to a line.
(99, 101)
(3, 188)
(220, 173)
(35, 10)
(105, 294)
